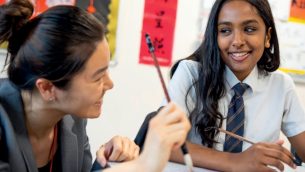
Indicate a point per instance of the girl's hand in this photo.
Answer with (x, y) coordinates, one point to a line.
(117, 149)
(264, 157)
(167, 131)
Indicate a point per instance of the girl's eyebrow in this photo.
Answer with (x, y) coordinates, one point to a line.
(99, 71)
(250, 21)
(224, 23)
(243, 23)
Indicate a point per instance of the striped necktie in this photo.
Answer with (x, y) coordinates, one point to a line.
(235, 119)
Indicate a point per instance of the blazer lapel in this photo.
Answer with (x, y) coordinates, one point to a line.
(9, 139)
(27, 153)
(68, 143)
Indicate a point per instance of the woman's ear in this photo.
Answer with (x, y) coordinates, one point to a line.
(46, 89)
(268, 37)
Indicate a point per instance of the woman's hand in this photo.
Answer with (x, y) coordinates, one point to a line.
(167, 131)
(117, 149)
(263, 157)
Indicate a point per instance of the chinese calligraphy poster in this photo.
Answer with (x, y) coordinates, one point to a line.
(159, 21)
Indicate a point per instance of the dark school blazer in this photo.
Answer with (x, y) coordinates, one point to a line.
(15, 148)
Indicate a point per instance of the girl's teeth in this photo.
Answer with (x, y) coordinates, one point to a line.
(239, 54)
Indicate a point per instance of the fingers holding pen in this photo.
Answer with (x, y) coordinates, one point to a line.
(280, 153)
(268, 161)
(178, 124)
(280, 143)
(173, 114)
(177, 132)
(271, 154)
(266, 155)
(166, 131)
(169, 122)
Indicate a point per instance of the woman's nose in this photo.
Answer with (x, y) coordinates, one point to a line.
(108, 84)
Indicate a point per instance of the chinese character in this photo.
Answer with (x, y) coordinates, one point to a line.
(159, 45)
(160, 14)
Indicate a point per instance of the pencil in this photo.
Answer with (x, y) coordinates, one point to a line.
(187, 158)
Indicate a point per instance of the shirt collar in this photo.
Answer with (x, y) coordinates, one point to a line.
(254, 79)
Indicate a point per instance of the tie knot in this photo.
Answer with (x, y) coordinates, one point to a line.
(240, 88)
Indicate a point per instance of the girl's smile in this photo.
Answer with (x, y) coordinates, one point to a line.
(239, 56)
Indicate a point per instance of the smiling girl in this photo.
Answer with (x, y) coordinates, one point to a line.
(240, 48)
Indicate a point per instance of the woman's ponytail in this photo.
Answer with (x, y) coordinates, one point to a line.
(13, 16)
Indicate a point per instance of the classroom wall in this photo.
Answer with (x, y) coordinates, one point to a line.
(137, 89)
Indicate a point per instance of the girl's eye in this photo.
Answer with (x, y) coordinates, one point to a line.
(250, 29)
(224, 30)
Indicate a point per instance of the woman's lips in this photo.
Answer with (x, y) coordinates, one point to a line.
(99, 103)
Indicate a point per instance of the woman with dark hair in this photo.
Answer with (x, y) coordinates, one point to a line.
(57, 65)
(240, 47)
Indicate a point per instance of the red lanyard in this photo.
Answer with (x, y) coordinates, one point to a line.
(53, 148)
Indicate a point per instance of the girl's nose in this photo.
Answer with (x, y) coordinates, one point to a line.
(238, 40)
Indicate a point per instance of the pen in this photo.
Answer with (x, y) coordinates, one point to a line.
(246, 140)
(187, 158)
(235, 136)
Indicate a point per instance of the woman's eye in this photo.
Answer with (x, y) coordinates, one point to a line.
(100, 78)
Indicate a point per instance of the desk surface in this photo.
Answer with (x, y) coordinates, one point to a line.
(171, 167)
(175, 167)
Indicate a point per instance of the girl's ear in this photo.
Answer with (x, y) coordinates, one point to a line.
(46, 89)
(268, 38)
